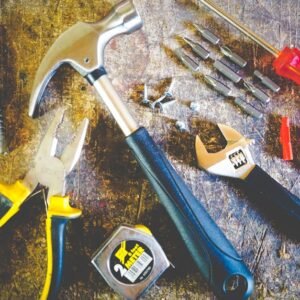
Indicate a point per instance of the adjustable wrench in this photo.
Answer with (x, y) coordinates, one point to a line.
(236, 161)
(82, 46)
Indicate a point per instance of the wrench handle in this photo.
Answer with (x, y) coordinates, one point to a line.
(214, 255)
(278, 201)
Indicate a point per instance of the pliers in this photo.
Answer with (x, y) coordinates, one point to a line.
(49, 171)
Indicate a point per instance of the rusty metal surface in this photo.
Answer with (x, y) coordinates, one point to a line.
(107, 183)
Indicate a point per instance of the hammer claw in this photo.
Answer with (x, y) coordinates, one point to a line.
(82, 46)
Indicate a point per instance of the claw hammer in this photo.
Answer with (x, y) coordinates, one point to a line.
(82, 46)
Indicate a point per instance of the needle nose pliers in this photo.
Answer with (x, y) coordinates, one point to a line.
(49, 171)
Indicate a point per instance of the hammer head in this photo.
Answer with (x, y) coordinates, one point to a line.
(82, 46)
(235, 160)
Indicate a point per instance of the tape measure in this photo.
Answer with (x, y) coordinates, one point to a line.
(131, 260)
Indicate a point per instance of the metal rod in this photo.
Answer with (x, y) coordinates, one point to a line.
(115, 105)
(238, 25)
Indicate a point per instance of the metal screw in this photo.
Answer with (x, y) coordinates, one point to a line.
(167, 94)
(145, 100)
(195, 106)
(180, 126)
(166, 102)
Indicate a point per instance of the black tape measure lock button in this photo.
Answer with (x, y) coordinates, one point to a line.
(131, 260)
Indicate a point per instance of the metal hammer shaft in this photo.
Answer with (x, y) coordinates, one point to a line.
(115, 105)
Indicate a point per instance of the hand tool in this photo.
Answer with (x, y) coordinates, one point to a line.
(287, 61)
(266, 81)
(235, 161)
(227, 52)
(131, 260)
(218, 85)
(50, 171)
(83, 47)
(285, 139)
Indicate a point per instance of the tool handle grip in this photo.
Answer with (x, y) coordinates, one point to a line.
(58, 214)
(214, 255)
(12, 196)
(274, 197)
(287, 64)
(55, 228)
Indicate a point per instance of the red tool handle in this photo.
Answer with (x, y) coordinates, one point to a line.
(287, 64)
(285, 139)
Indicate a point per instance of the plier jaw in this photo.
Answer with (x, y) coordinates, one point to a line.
(50, 170)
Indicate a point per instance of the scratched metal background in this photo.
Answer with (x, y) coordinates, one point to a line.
(107, 183)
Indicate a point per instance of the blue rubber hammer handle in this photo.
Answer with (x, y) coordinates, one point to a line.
(214, 255)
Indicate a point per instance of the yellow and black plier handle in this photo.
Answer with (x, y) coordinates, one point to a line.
(12, 196)
(58, 214)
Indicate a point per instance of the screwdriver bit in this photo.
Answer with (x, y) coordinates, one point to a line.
(233, 56)
(197, 48)
(218, 86)
(208, 35)
(267, 81)
(248, 108)
(257, 93)
(227, 72)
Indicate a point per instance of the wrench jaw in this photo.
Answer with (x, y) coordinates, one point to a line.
(82, 46)
(231, 135)
(235, 160)
(237, 163)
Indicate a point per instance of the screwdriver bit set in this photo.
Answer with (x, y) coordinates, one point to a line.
(287, 61)
(226, 71)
